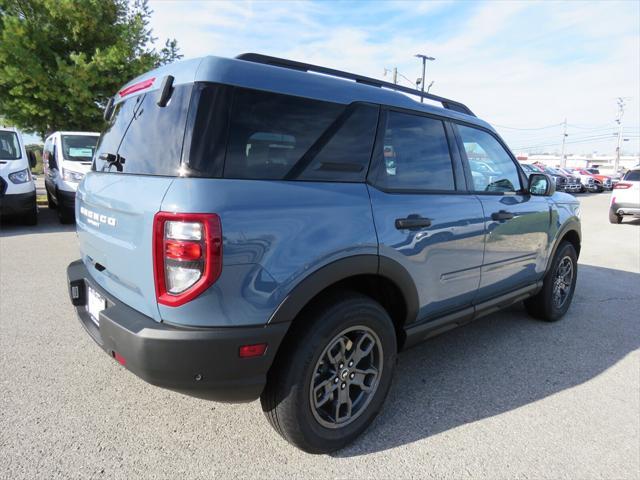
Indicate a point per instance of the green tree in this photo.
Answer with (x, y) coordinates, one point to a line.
(61, 60)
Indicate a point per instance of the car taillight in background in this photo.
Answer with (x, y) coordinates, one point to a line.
(622, 186)
(187, 250)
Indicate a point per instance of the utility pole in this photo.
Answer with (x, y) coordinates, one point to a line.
(563, 160)
(424, 68)
(395, 75)
(621, 106)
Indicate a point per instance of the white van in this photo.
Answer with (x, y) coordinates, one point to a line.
(66, 159)
(17, 188)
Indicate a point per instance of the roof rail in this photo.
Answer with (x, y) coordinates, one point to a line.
(306, 67)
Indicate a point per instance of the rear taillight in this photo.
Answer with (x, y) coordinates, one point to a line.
(187, 250)
(622, 186)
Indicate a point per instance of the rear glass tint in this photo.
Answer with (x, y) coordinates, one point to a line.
(248, 134)
(147, 137)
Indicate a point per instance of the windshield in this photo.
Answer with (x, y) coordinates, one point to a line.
(78, 148)
(9, 146)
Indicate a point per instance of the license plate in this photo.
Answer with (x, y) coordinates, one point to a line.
(95, 304)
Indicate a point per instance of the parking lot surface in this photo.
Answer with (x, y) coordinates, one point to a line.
(504, 397)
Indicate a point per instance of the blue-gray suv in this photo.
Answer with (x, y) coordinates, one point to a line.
(263, 228)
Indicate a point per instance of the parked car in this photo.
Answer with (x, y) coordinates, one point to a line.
(588, 181)
(66, 158)
(570, 185)
(251, 229)
(17, 187)
(558, 178)
(625, 199)
(604, 180)
(572, 179)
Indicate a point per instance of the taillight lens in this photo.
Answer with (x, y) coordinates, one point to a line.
(622, 186)
(187, 255)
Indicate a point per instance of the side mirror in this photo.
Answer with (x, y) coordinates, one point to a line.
(541, 184)
(32, 158)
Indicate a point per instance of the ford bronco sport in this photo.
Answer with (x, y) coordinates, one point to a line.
(263, 228)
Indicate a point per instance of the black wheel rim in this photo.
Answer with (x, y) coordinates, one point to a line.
(562, 282)
(346, 377)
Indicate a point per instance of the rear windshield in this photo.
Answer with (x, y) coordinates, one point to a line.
(78, 148)
(248, 134)
(9, 146)
(632, 176)
(146, 138)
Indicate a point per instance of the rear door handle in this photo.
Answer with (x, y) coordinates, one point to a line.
(413, 222)
(502, 215)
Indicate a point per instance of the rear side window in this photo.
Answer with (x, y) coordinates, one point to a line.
(148, 138)
(415, 155)
(249, 134)
(9, 146)
(632, 176)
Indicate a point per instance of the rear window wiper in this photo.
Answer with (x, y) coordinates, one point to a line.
(113, 159)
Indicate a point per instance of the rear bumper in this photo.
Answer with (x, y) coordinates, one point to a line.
(626, 208)
(202, 362)
(17, 203)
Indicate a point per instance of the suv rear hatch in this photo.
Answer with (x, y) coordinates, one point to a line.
(136, 159)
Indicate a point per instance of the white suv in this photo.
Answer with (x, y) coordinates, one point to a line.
(625, 199)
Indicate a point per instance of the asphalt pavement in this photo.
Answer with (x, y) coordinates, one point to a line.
(504, 397)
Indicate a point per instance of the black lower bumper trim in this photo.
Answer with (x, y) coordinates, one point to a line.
(17, 203)
(201, 362)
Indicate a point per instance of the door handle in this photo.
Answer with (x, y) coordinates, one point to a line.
(502, 215)
(413, 222)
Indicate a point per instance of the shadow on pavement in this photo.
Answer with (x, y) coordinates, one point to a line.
(507, 360)
(47, 223)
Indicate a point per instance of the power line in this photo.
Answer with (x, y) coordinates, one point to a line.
(535, 128)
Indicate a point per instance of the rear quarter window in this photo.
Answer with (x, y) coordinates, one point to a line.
(248, 134)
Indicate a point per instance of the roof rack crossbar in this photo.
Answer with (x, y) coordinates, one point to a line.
(306, 67)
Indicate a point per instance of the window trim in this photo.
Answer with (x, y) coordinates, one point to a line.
(467, 169)
(377, 154)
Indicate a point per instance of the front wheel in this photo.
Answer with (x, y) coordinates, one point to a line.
(554, 299)
(31, 218)
(331, 380)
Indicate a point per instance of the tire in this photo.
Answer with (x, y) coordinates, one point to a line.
(50, 203)
(304, 359)
(543, 305)
(614, 217)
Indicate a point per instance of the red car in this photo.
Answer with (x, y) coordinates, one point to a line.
(606, 181)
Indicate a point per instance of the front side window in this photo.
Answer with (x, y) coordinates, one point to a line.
(492, 168)
(9, 146)
(415, 155)
(78, 148)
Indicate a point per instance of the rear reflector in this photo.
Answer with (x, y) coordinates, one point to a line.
(622, 186)
(256, 350)
(119, 358)
(136, 87)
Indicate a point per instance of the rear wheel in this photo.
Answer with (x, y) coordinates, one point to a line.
(614, 217)
(554, 299)
(331, 380)
(65, 214)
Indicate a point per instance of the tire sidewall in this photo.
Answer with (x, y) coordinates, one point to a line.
(330, 324)
(565, 250)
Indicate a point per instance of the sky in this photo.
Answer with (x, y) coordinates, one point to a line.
(524, 67)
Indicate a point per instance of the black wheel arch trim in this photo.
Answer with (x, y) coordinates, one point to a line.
(342, 269)
(571, 225)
